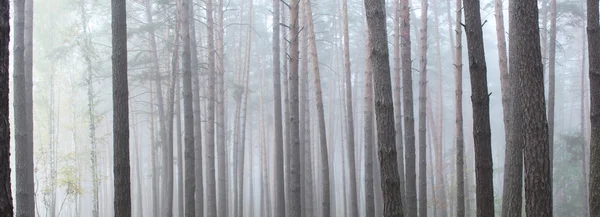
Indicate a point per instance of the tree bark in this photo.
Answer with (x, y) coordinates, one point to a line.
(384, 109)
(6, 200)
(279, 174)
(292, 197)
(398, 102)
(481, 110)
(122, 186)
(551, 83)
(526, 58)
(309, 199)
(593, 33)
(220, 122)
(369, 139)
(422, 112)
(211, 194)
(199, 182)
(460, 141)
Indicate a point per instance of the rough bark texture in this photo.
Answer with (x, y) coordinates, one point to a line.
(292, 196)
(593, 33)
(309, 199)
(384, 108)
(211, 193)
(460, 140)
(409, 119)
(188, 110)
(352, 198)
(526, 58)
(398, 101)
(481, 109)
(6, 200)
(369, 139)
(25, 202)
(122, 170)
(326, 206)
(278, 127)
(422, 112)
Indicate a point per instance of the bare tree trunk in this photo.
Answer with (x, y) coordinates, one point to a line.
(369, 138)
(384, 109)
(139, 199)
(278, 127)
(220, 122)
(292, 196)
(525, 56)
(305, 126)
(326, 206)
(6, 200)
(179, 145)
(481, 111)
(153, 157)
(422, 112)
(121, 169)
(584, 127)
(25, 202)
(593, 33)
(352, 199)
(551, 83)
(211, 194)
(194, 66)
(460, 141)
(398, 102)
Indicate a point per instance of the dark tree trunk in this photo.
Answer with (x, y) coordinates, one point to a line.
(6, 200)
(384, 108)
(279, 174)
(292, 197)
(25, 202)
(422, 112)
(593, 33)
(369, 139)
(122, 184)
(526, 58)
(481, 109)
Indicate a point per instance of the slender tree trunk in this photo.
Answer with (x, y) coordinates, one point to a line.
(326, 206)
(369, 138)
(584, 134)
(352, 199)
(179, 145)
(398, 102)
(122, 188)
(153, 156)
(551, 83)
(481, 110)
(422, 112)
(525, 56)
(25, 202)
(139, 199)
(6, 200)
(460, 141)
(593, 33)
(220, 122)
(384, 109)
(278, 127)
(211, 194)
(292, 196)
(194, 66)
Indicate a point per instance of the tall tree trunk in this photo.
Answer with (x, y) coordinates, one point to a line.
(194, 66)
(136, 145)
(551, 83)
(292, 196)
(369, 138)
(422, 112)
(211, 194)
(153, 157)
(513, 163)
(584, 127)
(179, 145)
(25, 201)
(326, 206)
(384, 108)
(409, 120)
(188, 111)
(525, 56)
(278, 127)
(460, 141)
(352, 198)
(398, 102)
(121, 169)
(593, 33)
(220, 122)
(481, 110)
(308, 199)
(6, 200)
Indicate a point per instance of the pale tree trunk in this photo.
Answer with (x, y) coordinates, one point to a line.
(384, 108)
(422, 112)
(220, 122)
(326, 206)
(25, 202)
(6, 204)
(305, 127)
(352, 198)
(369, 138)
(188, 110)
(122, 199)
(292, 196)
(551, 83)
(179, 145)
(139, 199)
(211, 194)
(194, 66)
(584, 126)
(409, 120)
(593, 33)
(398, 102)
(153, 157)
(278, 125)
(481, 110)
(525, 56)
(460, 141)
